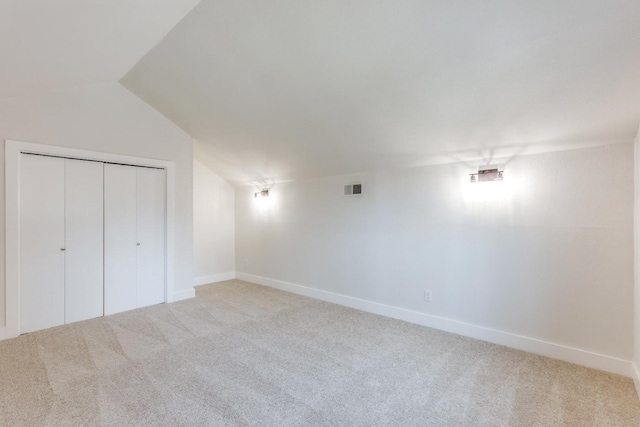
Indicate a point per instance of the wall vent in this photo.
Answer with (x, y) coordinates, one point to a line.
(353, 190)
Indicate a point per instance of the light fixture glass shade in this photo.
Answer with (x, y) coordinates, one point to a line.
(486, 175)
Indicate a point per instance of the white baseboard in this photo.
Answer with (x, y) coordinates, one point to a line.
(184, 294)
(531, 345)
(205, 280)
(635, 374)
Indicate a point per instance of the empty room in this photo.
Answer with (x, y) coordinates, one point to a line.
(320, 213)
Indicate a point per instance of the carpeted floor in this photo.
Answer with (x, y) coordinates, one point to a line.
(245, 355)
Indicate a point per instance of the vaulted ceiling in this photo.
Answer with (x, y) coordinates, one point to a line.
(51, 45)
(283, 89)
(296, 88)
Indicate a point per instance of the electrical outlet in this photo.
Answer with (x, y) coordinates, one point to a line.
(246, 262)
(427, 296)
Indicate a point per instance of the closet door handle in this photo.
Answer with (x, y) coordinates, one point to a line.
(62, 249)
(138, 244)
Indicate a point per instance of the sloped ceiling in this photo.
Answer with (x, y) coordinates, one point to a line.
(50, 45)
(298, 88)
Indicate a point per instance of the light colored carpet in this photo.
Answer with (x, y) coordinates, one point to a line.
(245, 355)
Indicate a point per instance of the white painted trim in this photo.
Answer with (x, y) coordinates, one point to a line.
(635, 374)
(184, 294)
(12, 241)
(531, 345)
(636, 266)
(6, 334)
(12, 217)
(205, 280)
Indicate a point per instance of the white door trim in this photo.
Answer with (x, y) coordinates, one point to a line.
(13, 149)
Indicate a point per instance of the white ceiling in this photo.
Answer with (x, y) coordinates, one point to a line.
(49, 45)
(298, 88)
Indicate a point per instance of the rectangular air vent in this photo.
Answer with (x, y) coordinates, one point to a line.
(353, 190)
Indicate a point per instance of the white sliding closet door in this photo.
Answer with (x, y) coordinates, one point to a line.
(120, 195)
(84, 240)
(42, 242)
(150, 231)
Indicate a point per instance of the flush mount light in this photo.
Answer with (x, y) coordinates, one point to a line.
(263, 193)
(487, 174)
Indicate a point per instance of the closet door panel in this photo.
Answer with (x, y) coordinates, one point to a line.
(151, 236)
(41, 242)
(119, 238)
(84, 240)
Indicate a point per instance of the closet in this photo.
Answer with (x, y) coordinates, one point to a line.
(92, 239)
(134, 230)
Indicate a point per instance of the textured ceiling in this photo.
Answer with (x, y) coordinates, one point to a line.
(298, 88)
(50, 45)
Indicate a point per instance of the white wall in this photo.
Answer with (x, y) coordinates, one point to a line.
(550, 259)
(213, 226)
(105, 118)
